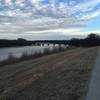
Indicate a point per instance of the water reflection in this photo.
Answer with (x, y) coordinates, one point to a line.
(18, 51)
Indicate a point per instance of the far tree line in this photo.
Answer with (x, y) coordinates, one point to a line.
(90, 41)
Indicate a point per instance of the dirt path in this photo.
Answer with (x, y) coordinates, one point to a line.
(94, 89)
(61, 76)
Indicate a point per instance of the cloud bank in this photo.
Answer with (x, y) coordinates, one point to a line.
(42, 16)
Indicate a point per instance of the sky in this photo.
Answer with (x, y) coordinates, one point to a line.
(48, 19)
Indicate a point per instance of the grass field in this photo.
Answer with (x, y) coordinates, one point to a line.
(61, 76)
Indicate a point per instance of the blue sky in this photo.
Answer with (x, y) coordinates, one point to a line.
(47, 19)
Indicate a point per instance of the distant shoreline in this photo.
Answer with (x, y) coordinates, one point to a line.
(15, 43)
(90, 41)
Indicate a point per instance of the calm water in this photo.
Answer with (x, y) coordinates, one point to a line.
(18, 51)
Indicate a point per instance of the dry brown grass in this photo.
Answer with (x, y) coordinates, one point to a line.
(62, 76)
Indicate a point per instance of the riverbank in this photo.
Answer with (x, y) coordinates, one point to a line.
(60, 76)
(11, 59)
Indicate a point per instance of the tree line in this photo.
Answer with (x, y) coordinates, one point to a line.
(14, 43)
(90, 41)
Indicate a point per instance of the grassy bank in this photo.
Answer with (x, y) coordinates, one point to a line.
(61, 76)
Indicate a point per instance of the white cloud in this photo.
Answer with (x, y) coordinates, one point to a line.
(72, 2)
(36, 1)
(9, 2)
(86, 6)
(86, 32)
(38, 17)
(89, 16)
(64, 31)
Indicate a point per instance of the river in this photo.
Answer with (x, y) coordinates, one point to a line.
(18, 51)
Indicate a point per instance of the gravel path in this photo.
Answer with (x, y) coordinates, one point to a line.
(94, 88)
